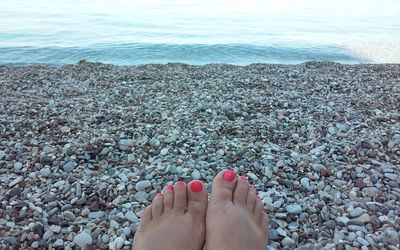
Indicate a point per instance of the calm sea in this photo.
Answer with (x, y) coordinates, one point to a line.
(240, 32)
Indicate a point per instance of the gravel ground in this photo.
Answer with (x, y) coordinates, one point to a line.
(84, 148)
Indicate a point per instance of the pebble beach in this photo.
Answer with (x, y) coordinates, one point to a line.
(84, 148)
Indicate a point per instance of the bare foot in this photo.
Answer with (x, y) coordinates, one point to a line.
(175, 220)
(235, 217)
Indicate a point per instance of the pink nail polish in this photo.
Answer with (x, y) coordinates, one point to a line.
(258, 198)
(180, 183)
(243, 178)
(160, 196)
(170, 187)
(196, 186)
(229, 175)
(252, 187)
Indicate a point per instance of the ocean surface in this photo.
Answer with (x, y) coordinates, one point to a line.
(127, 32)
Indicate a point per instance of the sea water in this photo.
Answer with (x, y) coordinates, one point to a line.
(127, 32)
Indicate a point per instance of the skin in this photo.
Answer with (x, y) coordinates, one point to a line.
(182, 219)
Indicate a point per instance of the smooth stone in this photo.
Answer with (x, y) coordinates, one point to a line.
(85, 212)
(164, 151)
(305, 182)
(65, 129)
(356, 212)
(288, 242)
(330, 224)
(47, 235)
(252, 176)
(141, 196)
(69, 166)
(131, 157)
(370, 191)
(69, 216)
(119, 242)
(18, 166)
(317, 150)
(46, 172)
(16, 181)
(391, 237)
(55, 229)
(393, 177)
(342, 220)
(268, 172)
(273, 234)
(196, 175)
(95, 215)
(126, 231)
(142, 185)
(362, 241)
(131, 216)
(35, 244)
(83, 239)
(105, 238)
(356, 228)
(2, 155)
(294, 209)
(364, 218)
(58, 243)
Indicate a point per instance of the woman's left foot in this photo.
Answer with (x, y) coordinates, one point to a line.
(175, 220)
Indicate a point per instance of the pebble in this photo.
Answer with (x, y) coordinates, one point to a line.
(141, 196)
(362, 241)
(55, 229)
(16, 181)
(164, 151)
(69, 166)
(142, 185)
(393, 177)
(196, 175)
(2, 154)
(356, 212)
(364, 218)
(69, 216)
(127, 231)
(95, 215)
(391, 237)
(356, 228)
(119, 242)
(105, 238)
(131, 216)
(58, 243)
(288, 242)
(305, 182)
(330, 224)
(35, 244)
(47, 235)
(45, 172)
(18, 166)
(273, 234)
(83, 239)
(294, 209)
(370, 191)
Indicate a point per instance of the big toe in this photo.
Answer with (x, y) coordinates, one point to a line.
(223, 186)
(197, 199)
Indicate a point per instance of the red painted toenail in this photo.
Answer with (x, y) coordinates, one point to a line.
(196, 186)
(160, 196)
(170, 187)
(252, 187)
(258, 197)
(180, 183)
(243, 178)
(229, 175)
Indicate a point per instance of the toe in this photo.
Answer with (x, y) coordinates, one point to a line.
(241, 190)
(180, 200)
(168, 198)
(264, 223)
(145, 218)
(157, 206)
(223, 185)
(258, 210)
(197, 199)
(251, 198)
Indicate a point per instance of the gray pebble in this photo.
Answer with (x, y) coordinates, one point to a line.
(119, 242)
(69, 166)
(45, 172)
(356, 212)
(47, 235)
(35, 244)
(356, 228)
(164, 151)
(294, 209)
(141, 196)
(131, 216)
(288, 242)
(305, 182)
(391, 237)
(55, 229)
(69, 216)
(196, 175)
(18, 166)
(126, 231)
(362, 241)
(105, 238)
(142, 185)
(83, 239)
(393, 177)
(273, 234)
(95, 215)
(370, 191)
(58, 243)
(2, 154)
(330, 224)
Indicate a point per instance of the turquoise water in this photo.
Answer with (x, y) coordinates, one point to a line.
(199, 31)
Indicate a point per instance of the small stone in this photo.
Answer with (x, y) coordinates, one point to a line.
(85, 212)
(2, 154)
(18, 166)
(252, 176)
(16, 181)
(141, 196)
(370, 191)
(83, 239)
(55, 229)
(268, 172)
(273, 234)
(45, 172)
(342, 220)
(364, 218)
(288, 242)
(69, 166)
(35, 244)
(69, 216)
(58, 243)
(356, 212)
(391, 237)
(317, 150)
(305, 182)
(393, 177)
(131, 157)
(362, 241)
(105, 238)
(127, 231)
(65, 129)
(294, 209)
(47, 235)
(164, 151)
(142, 185)
(196, 175)
(95, 215)
(356, 228)
(131, 216)
(330, 224)
(119, 242)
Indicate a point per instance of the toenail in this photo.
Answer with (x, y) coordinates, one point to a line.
(243, 178)
(229, 175)
(170, 187)
(180, 183)
(252, 187)
(160, 196)
(196, 186)
(258, 197)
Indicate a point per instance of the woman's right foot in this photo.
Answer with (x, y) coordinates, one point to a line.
(235, 217)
